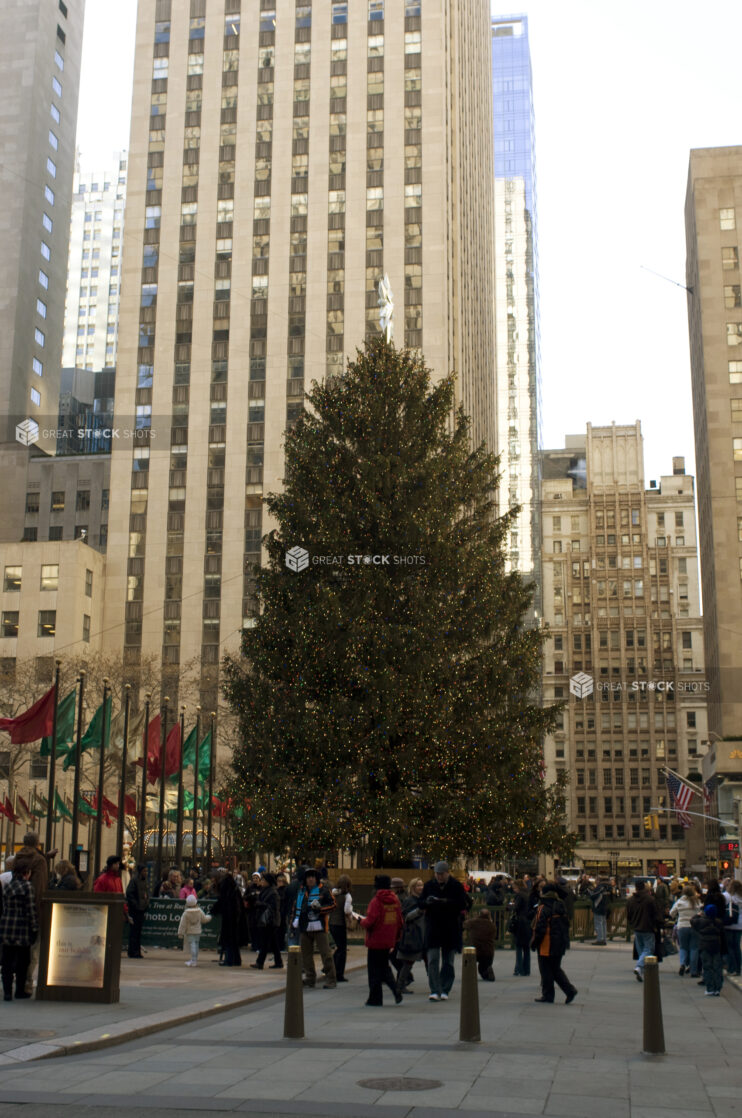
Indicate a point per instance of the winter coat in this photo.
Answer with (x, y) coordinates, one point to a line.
(137, 894)
(186, 892)
(229, 906)
(411, 944)
(18, 924)
(108, 882)
(342, 910)
(521, 925)
(551, 933)
(445, 906)
(192, 920)
(641, 912)
(710, 931)
(383, 920)
(39, 875)
(268, 907)
(482, 935)
(684, 910)
(600, 898)
(308, 918)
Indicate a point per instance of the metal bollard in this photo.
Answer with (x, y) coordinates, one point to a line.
(469, 1028)
(654, 1033)
(293, 1017)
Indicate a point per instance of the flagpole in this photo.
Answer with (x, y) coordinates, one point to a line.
(13, 817)
(195, 789)
(101, 762)
(688, 783)
(122, 789)
(161, 819)
(143, 804)
(52, 764)
(76, 779)
(179, 813)
(209, 825)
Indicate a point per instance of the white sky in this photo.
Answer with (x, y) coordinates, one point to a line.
(622, 92)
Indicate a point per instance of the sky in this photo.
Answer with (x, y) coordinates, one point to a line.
(622, 92)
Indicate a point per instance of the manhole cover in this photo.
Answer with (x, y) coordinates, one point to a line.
(400, 1083)
(41, 1034)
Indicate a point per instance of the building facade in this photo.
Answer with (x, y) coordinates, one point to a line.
(40, 53)
(621, 600)
(284, 156)
(518, 372)
(94, 267)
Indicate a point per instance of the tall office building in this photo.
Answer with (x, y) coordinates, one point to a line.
(94, 267)
(284, 156)
(621, 599)
(713, 219)
(40, 51)
(517, 350)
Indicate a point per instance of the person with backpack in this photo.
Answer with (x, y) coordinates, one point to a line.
(550, 941)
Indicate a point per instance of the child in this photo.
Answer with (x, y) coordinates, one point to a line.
(189, 928)
(482, 934)
(187, 890)
(18, 928)
(710, 932)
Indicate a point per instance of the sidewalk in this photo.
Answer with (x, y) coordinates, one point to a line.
(578, 1061)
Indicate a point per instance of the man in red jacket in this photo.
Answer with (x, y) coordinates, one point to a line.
(110, 880)
(383, 925)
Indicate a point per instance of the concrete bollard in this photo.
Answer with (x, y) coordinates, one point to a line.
(654, 1033)
(293, 1017)
(469, 1028)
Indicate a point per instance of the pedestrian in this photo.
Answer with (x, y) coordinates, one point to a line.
(685, 908)
(600, 900)
(382, 924)
(661, 896)
(710, 928)
(137, 900)
(339, 918)
(482, 934)
(293, 888)
(550, 941)
(190, 926)
(65, 877)
(313, 906)
(187, 889)
(643, 918)
(733, 929)
(250, 895)
(39, 879)
(19, 928)
(283, 909)
(520, 929)
(233, 933)
(269, 917)
(445, 904)
(110, 880)
(411, 944)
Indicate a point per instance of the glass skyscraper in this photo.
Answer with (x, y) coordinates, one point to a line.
(518, 377)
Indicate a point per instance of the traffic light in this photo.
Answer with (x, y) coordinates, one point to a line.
(647, 822)
(725, 865)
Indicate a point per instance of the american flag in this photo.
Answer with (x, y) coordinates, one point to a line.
(708, 793)
(680, 796)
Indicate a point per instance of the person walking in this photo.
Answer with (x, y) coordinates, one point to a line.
(733, 929)
(137, 900)
(234, 928)
(411, 944)
(338, 921)
(685, 908)
(710, 928)
(313, 906)
(482, 934)
(39, 879)
(19, 927)
(520, 929)
(600, 898)
(190, 927)
(550, 941)
(382, 924)
(643, 918)
(268, 909)
(445, 904)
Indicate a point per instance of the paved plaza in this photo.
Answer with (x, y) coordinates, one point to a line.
(580, 1061)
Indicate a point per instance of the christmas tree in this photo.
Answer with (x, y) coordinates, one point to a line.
(386, 692)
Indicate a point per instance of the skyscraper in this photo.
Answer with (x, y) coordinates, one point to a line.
(713, 217)
(284, 157)
(516, 289)
(40, 51)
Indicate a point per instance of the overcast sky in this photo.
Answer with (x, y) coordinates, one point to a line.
(622, 92)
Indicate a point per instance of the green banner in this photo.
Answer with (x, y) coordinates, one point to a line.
(65, 726)
(161, 920)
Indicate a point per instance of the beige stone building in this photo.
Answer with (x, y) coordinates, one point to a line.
(621, 601)
(284, 156)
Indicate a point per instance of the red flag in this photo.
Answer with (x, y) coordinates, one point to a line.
(36, 722)
(172, 751)
(8, 811)
(112, 809)
(153, 750)
(218, 809)
(130, 805)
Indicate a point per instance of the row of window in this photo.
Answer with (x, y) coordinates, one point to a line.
(49, 580)
(58, 498)
(46, 625)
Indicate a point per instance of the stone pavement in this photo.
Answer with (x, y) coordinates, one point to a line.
(580, 1061)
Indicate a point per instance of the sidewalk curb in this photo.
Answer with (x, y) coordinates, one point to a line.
(135, 1028)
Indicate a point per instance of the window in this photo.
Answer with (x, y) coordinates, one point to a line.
(730, 258)
(10, 623)
(690, 719)
(86, 627)
(375, 9)
(340, 12)
(82, 503)
(57, 87)
(44, 280)
(46, 251)
(737, 449)
(35, 397)
(303, 15)
(726, 219)
(736, 410)
(59, 62)
(47, 626)
(738, 488)
(12, 579)
(50, 576)
(51, 168)
(40, 310)
(53, 140)
(88, 584)
(733, 296)
(734, 333)
(57, 501)
(412, 42)
(49, 195)
(268, 20)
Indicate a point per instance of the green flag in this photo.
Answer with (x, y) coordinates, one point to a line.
(61, 806)
(204, 758)
(65, 726)
(91, 737)
(85, 808)
(188, 755)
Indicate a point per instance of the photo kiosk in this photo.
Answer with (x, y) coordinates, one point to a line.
(80, 951)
